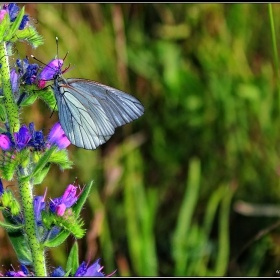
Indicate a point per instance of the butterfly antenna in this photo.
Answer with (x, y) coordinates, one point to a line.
(56, 40)
(38, 60)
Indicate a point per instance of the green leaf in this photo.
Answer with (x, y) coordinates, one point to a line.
(43, 161)
(8, 168)
(68, 222)
(20, 244)
(10, 227)
(47, 96)
(73, 259)
(28, 100)
(67, 273)
(82, 199)
(4, 26)
(15, 25)
(60, 157)
(29, 34)
(57, 240)
(41, 176)
(19, 241)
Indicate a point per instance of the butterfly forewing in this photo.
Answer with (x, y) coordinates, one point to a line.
(89, 112)
(120, 107)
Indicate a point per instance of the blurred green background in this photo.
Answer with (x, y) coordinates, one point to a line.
(192, 187)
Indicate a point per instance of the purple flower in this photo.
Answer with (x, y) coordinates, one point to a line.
(94, 270)
(39, 204)
(14, 80)
(28, 72)
(21, 273)
(2, 14)
(5, 142)
(1, 188)
(58, 137)
(59, 205)
(29, 76)
(24, 21)
(13, 10)
(15, 274)
(51, 69)
(22, 137)
(37, 138)
(58, 272)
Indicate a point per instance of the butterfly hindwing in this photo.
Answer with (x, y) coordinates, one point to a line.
(120, 107)
(89, 111)
(83, 121)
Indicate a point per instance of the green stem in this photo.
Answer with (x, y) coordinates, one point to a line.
(10, 105)
(25, 187)
(37, 251)
(274, 50)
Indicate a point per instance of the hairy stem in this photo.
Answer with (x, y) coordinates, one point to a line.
(37, 251)
(10, 105)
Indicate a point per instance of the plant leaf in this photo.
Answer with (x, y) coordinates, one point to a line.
(73, 259)
(82, 199)
(15, 25)
(10, 227)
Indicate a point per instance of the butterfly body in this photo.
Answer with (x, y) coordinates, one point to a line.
(89, 111)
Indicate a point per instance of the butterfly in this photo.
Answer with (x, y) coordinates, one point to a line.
(89, 111)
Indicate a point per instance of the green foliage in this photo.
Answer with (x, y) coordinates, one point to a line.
(204, 73)
(73, 259)
(14, 26)
(68, 223)
(32, 93)
(8, 200)
(30, 35)
(18, 239)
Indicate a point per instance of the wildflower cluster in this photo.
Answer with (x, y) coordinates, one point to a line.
(26, 156)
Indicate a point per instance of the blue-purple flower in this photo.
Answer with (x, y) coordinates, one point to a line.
(95, 270)
(37, 138)
(31, 138)
(13, 10)
(39, 204)
(51, 69)
(70, 196)
(58, 272)
(22, 137)
(21, 273)
(28, 72)
(1, 187)
(14, 80)
(58, 137)
(5, 142)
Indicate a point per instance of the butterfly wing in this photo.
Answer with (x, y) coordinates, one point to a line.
(120, 107)
(89, 112)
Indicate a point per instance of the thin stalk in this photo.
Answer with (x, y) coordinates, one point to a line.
(275, 54)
